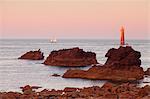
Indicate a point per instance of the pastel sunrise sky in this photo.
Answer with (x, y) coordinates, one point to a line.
(99, 19)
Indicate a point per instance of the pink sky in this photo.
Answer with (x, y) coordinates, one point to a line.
(74, 18)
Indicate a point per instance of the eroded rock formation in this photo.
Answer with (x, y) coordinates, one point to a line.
(33, 55)
(123, 64)
(71, 57)
(123, 56)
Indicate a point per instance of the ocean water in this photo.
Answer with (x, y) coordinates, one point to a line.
(15, 73)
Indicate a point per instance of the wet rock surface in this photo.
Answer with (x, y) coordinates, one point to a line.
(107, 91)
(71, 57)
(33, 55)
(125, 67)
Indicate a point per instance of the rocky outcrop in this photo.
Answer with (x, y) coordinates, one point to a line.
(33, 55)
(107, 91)
(125, 67)
(107, 73)
(71, 57)
(123, 56)
(147, 72)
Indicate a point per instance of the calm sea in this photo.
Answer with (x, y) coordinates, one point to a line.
(15, 73)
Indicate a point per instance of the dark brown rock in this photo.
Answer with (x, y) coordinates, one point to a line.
(123, 56)
(26, 88)
(10, 95)
(126, 68)
(107, 91)
(71, 57)
(69, 89)
(56, 75)
(126, 95)
(110, 96)
(147, 72)
(108, 86)
(144, 91)
(107, 73)
(33, 55)
(29, 88)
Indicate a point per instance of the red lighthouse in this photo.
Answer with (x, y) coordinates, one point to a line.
(122, 39)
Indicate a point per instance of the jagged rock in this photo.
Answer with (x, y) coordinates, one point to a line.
(123, 56)
(107, 91)
(147, 72)
(71, 57)
(33, 55)
(125, 67)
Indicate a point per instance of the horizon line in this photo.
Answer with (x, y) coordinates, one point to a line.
(72, 39)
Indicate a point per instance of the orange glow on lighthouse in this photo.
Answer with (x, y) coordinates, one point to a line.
(122, 40)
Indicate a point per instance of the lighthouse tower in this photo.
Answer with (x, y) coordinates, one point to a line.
(122, 39)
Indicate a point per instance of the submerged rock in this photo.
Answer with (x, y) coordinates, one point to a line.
(125, 67)
(33, 55)
(71, 57)
(55, 75)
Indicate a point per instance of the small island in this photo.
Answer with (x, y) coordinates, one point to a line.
(71, 57)
(33, 55)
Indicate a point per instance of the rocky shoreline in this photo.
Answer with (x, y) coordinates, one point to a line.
(122, 65)
(107, 91)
